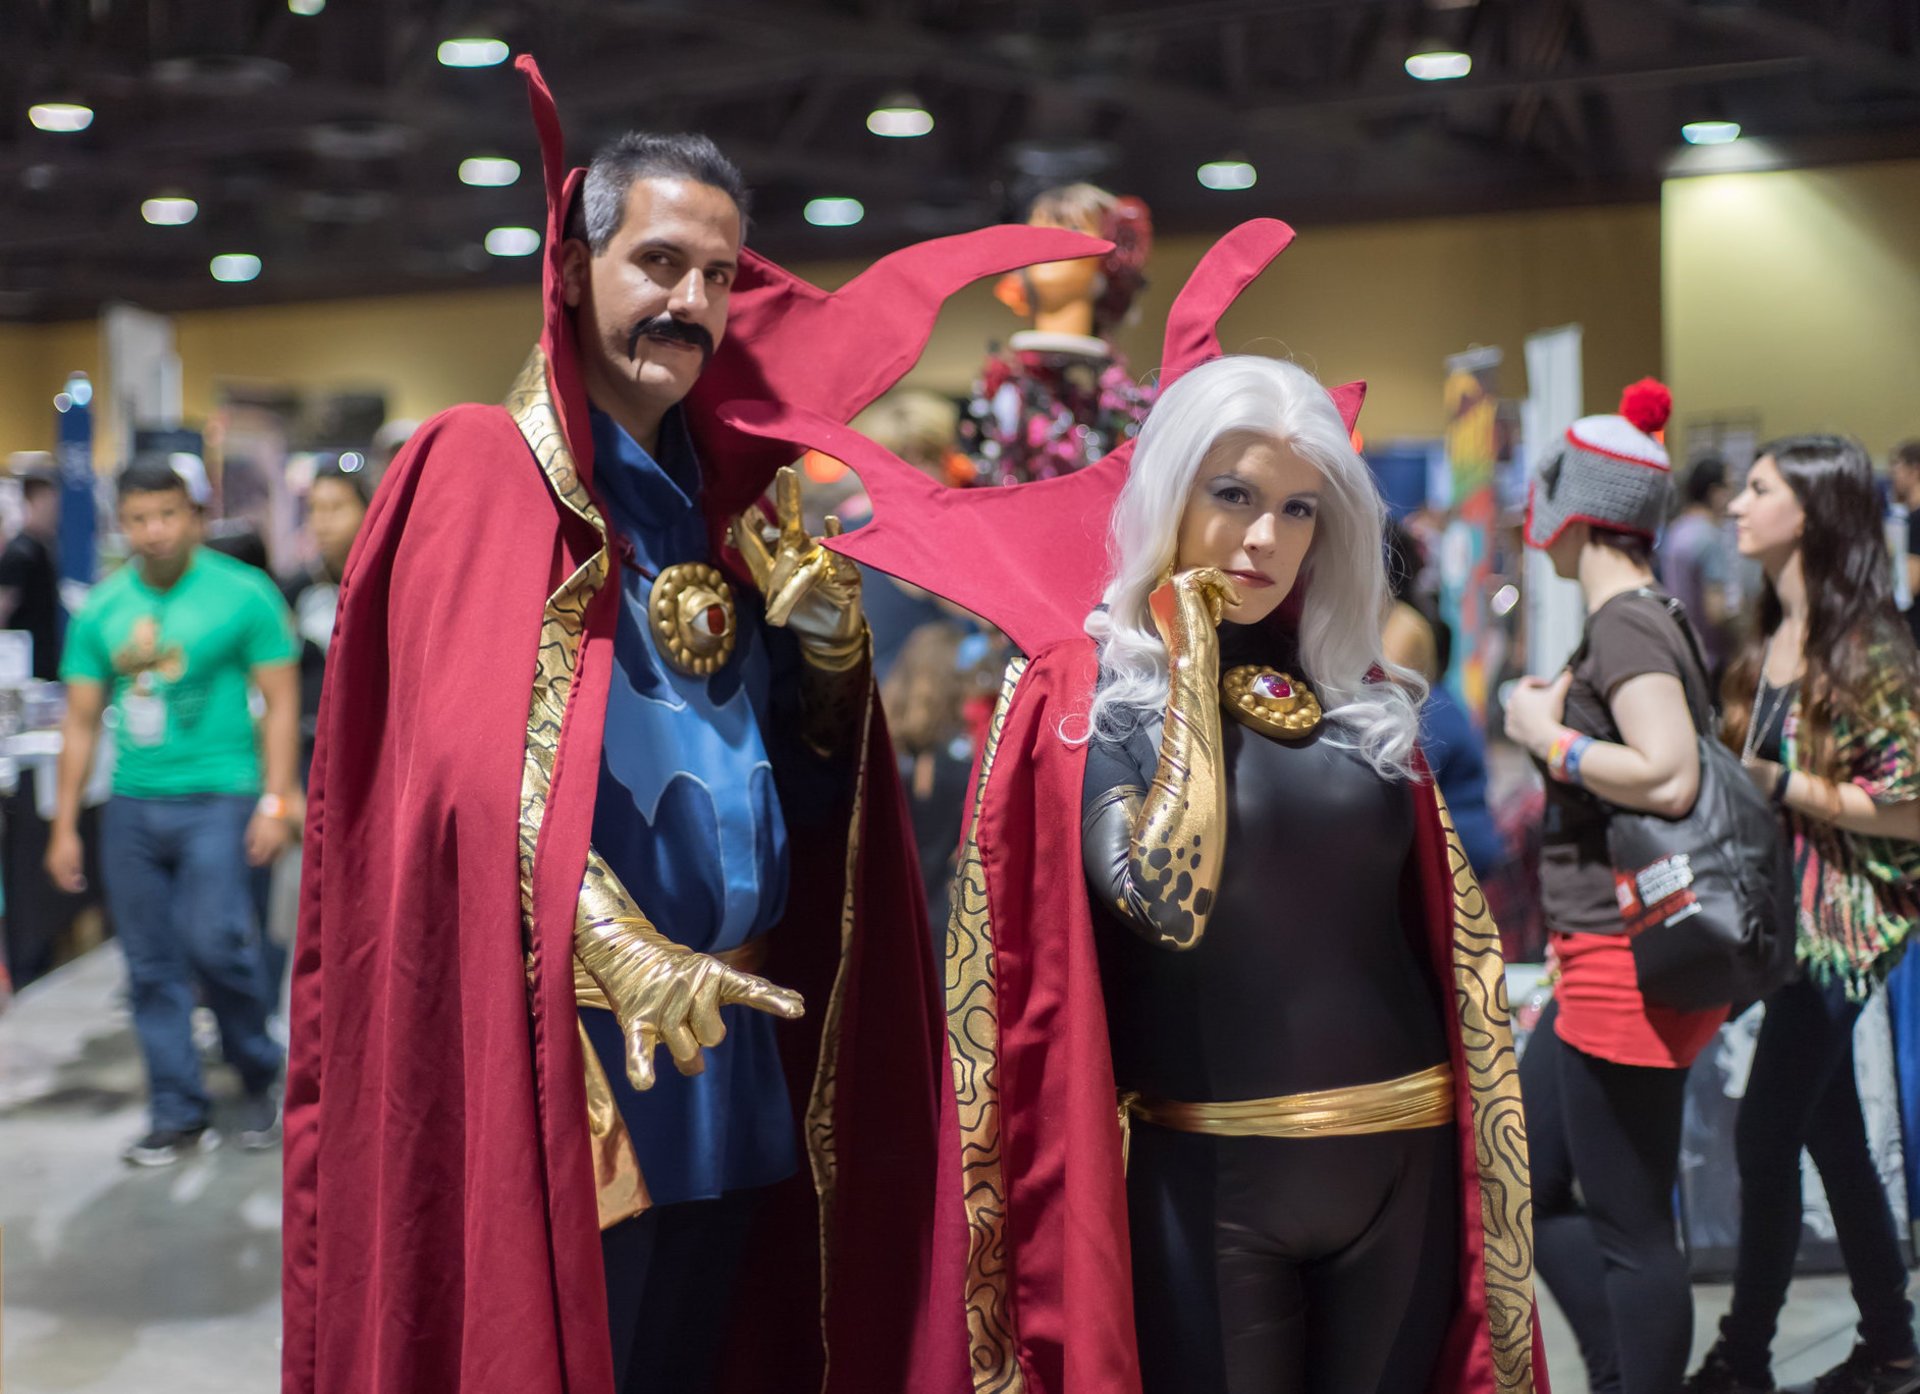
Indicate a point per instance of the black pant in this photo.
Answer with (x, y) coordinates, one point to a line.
(1609, 1256)
(670, 1278)
(1284, 1266)
(1802, 1094)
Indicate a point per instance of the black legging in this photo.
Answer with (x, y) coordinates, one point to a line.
(1802, 1093)
(1613, 1262)
(1283, 1266)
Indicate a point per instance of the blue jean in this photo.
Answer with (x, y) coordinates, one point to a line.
(180, 892)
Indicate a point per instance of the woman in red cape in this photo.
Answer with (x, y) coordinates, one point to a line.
(1046, 994)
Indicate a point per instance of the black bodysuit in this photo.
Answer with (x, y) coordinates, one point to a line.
(1264, 1265)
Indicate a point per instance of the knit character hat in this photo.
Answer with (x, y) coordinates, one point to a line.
(1610, 471)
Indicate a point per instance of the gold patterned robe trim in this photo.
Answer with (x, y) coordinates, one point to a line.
(1499, 1124)
(973, 1043)
(823, 1157)
(620, 1189)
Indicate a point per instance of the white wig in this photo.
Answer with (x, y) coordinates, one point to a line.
(1343, 576)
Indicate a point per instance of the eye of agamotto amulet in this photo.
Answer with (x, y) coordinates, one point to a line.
(691, 611)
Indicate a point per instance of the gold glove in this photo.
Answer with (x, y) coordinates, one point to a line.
(660, 991)
(808, 589)
(1180, 831)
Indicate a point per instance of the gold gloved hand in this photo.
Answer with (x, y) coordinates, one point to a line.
(661, 992)
(808, 589)
(1180, 829)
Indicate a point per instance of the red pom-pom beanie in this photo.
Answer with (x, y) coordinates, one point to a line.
(1609, 471)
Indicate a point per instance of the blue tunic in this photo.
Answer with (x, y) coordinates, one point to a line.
(688, 818)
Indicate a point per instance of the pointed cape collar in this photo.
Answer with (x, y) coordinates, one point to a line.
(1031, 558)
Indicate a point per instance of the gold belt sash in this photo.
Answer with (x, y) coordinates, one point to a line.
(621, 1189)
(1422, 1100)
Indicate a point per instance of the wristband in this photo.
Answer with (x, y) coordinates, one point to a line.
(1564, 755)
(1778, 797)
(271, 806)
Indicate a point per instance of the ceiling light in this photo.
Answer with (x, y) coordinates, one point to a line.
(307, 8)
(900, 117)
(1439, 65)
(235, 266)
(834, 212)
(513, 242)
(1227, 174)
(1710, 132)
(489, 171)
(473, 53)
(60, 116)
(169, 210)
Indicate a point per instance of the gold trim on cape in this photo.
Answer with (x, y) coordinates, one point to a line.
(1499, 1123)
(620, 1190)
(973, 1042)
(822, 1144)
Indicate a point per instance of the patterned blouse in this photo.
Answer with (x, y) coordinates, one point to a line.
(1860, 895)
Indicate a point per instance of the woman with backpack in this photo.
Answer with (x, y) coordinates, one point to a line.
(1604, 1076)
(1822, 707)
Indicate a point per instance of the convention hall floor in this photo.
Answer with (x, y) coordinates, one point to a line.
(165, 1282)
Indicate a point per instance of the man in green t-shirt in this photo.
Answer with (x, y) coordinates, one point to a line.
(176, 642)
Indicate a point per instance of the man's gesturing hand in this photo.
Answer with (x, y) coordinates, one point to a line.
(662, 993)
(808, 589)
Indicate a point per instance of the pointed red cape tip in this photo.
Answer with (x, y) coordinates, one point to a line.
(1029, 558)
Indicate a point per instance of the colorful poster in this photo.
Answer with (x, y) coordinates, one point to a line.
(1475, 444)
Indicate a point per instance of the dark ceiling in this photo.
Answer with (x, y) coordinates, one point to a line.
(328, 144)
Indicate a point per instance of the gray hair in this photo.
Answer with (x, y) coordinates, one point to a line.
(602, 206)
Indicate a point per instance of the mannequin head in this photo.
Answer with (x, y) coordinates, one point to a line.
(1087, 295)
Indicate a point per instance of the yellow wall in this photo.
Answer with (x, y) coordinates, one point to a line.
(1795, 296)
(1383, 301)
(34, 363)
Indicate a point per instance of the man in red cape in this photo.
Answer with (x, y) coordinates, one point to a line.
(453, 1149)
(1030, 1137)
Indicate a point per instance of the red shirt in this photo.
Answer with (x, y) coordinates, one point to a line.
(1602, 1012)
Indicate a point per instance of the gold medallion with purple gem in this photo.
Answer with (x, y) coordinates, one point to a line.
(1274, 704)
(691, 611)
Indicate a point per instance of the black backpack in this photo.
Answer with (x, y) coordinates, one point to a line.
(1707, 898)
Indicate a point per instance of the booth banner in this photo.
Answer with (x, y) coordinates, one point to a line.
(1556, 611)
(1710, 1176)
(78, 500)
(1475, 444)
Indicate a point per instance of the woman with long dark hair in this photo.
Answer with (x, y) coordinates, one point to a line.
(1822, 707)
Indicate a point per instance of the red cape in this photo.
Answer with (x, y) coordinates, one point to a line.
(1043, 1230)
(1031, 1140)
(441, 1228)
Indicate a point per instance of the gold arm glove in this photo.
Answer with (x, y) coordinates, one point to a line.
(808, 589)
(1176, 833)
(661, 992)
(814, 593)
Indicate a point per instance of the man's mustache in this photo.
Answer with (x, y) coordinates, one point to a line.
(673, 331)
